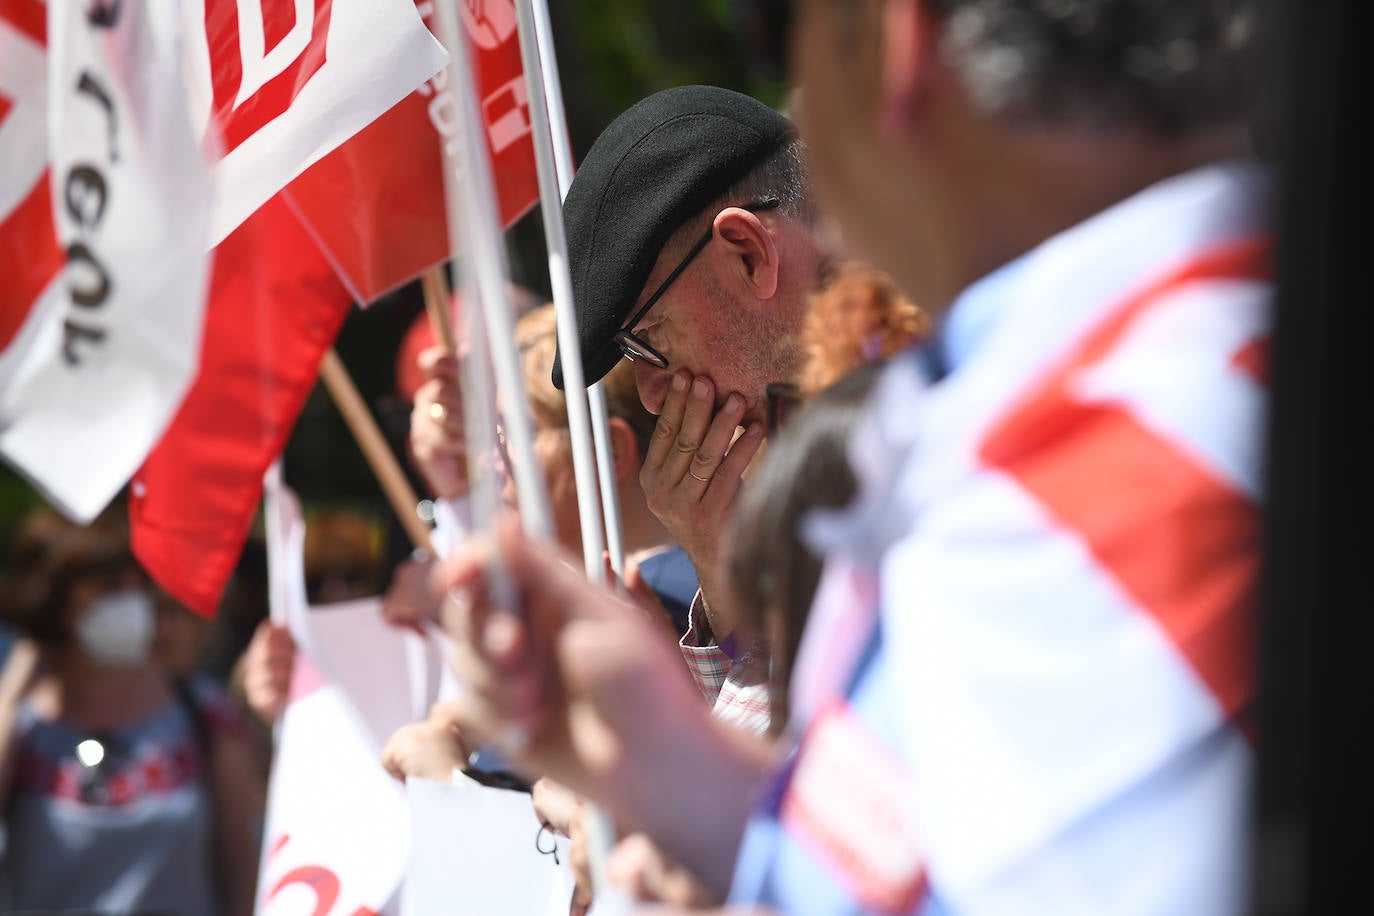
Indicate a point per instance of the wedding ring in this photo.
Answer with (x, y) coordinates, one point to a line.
(695, 477)
(438, 411)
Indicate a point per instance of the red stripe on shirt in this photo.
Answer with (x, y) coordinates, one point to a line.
(1253, 360)
(1180, 540)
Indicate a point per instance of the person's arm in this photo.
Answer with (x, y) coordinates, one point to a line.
(437, 445)
(15, 678)
(580, 686)
(431, 749)
(263, 673)
(239, 797)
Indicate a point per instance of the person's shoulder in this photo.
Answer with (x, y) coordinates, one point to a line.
(671, 575)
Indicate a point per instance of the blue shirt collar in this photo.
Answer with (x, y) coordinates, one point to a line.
(968, 321)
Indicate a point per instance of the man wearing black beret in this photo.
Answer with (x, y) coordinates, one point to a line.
(691, 247)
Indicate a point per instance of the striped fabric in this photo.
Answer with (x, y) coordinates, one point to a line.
(736, 689)
(1065, 529)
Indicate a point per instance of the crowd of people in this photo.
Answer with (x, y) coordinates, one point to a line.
(934, 412)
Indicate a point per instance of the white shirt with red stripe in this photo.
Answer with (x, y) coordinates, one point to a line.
(1049, 714)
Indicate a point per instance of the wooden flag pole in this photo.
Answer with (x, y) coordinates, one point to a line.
(374, 447)
(435, 285)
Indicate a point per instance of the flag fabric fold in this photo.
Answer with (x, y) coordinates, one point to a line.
(279, 84)
(389, 175)
(275, 308)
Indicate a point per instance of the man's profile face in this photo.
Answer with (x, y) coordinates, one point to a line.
(710, 324)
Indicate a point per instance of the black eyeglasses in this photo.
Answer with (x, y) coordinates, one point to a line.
(633, 347)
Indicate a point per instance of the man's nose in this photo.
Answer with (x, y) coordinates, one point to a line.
(653, 386)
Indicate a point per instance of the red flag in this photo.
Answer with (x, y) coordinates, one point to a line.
(376, 204)
(275, 308)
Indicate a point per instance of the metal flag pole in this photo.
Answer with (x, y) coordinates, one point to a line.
(535, 49)
(472, 217)
(596, 394)
(574, 385)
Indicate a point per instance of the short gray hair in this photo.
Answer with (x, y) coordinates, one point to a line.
(783, 175)
(1169, 66)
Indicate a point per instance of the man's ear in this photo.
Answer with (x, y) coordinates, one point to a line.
(908, 55)
(752, 249)
(624, 450)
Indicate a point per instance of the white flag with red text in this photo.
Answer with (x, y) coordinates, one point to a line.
(104, 211)
(281, 83)
(108, 203)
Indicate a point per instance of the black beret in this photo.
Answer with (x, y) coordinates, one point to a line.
(657, 165)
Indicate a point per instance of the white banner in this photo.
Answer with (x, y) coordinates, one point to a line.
(341, 836)
(337, 834)
(473, 852)
(281, 83)
(111, 340)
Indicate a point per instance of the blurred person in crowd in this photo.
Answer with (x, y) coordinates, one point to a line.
(773, 570)
(182, 637)
(124, 787)
(1041, 705)
(857, 316)
(342, 556)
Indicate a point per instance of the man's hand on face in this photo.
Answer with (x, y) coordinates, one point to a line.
(436, 425)
(692, 473)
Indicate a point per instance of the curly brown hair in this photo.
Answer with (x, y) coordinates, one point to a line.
(857, 316)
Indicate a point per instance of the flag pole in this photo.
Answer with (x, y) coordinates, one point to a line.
(560, 278)
(486, 268)
(596, 394)
(374, 447)
(435, 286)
(535, 49)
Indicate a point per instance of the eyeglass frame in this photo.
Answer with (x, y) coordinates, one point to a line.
(633, 347)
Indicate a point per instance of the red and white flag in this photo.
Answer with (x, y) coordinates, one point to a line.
(275, 308)
(109, 206)
(104, 212)
(278, 84)
(389, 176)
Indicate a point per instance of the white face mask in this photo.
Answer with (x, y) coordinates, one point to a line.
(117, 629)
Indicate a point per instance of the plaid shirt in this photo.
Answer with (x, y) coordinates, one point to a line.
(736, 685)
